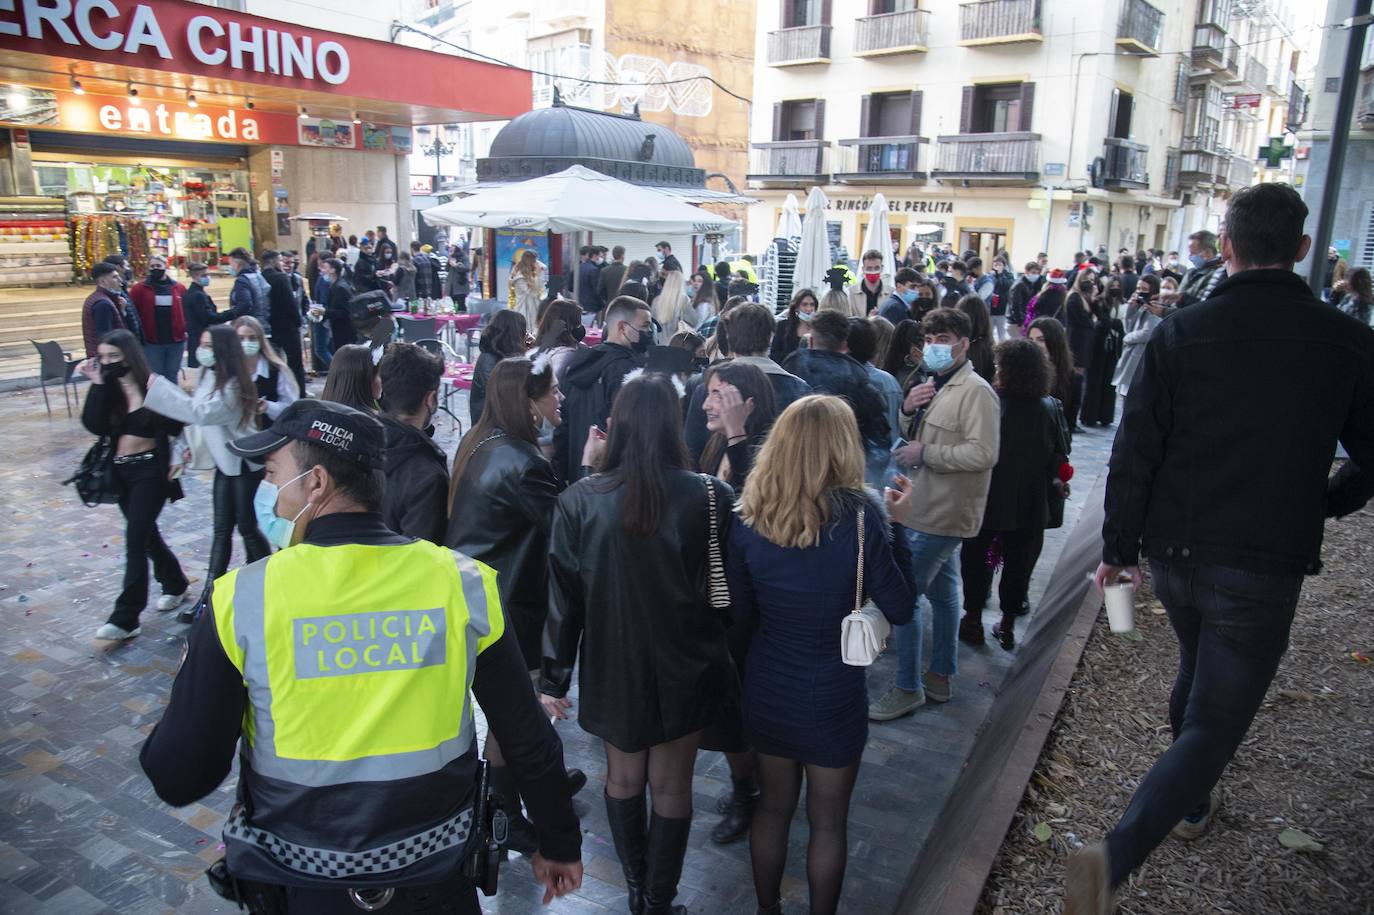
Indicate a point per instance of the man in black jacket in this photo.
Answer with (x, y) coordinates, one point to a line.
(249, 294)
(286, 315)
(1219, 473)
(199, 309)
(416, 499)
(594, 378)
(829, 370)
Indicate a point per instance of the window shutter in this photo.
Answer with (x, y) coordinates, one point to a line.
(866, 116)
(820, 119)
(1027, 103)
(825, 12)
(777, 122)
(785, 15)
(915, 114)
(966, 111)
(1367, 249)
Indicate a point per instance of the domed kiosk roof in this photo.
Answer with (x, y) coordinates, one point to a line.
(548, 140)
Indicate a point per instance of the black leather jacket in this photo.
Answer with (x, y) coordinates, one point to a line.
(502, 511)
(635, 611)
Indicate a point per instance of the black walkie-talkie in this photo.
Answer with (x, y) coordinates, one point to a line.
(489, 822)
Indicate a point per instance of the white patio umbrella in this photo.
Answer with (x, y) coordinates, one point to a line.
(877, 236)
(789, 220)
(813, 255)
(577, 199)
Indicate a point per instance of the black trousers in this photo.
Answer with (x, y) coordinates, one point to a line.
(289, 343)
(1020, 552)
(234, 508)
(142, 494)
(1232, 629)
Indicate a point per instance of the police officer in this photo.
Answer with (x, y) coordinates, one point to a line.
(343, 667)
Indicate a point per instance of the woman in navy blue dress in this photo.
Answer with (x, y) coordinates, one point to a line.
(792, 565)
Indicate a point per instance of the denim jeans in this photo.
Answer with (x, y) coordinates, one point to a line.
(165, 359)
(320, 346)
(935, 566)
(1232, 629)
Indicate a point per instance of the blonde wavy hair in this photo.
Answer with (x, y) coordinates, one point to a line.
(812, 451)
(669, 302)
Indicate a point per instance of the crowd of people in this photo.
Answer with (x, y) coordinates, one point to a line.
(680, 516)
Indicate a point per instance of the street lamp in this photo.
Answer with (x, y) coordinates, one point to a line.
(438, 148)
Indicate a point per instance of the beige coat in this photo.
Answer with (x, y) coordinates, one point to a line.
(961, 431)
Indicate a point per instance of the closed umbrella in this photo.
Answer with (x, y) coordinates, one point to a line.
(878, 237)
(789, 220)
(813, 254)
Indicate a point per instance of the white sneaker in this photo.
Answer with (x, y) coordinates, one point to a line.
(112, 633)
(170, 601)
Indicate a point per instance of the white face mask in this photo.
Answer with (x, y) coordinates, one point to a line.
(276, 529)
(251, 348)
(205, 356)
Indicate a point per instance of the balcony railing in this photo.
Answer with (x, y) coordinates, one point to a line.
(868, 160)
(1197, 163)
(1171, 168)
(1127, 165)
(803, 44)
(1209, 46)
(1180, 100)
(891, 33)
(1003, 158)
(1232, 66)
(1297, 106)
(789, 161)
(999, 21)
(1256, 75)
(1139, 29)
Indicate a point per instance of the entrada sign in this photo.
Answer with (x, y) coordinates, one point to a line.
(210, 40)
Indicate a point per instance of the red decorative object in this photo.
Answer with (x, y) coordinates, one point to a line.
(1065, 472)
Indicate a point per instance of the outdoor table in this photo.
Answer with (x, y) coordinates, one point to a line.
(457, 377)
(594, 336)
(452, 325)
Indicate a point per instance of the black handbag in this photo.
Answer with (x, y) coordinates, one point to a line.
(95, 478)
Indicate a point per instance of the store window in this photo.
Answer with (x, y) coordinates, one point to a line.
(184, 213)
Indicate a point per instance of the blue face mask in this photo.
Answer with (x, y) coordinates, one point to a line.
(938, 357)
(1197, 260)
(277, 530)
(804, 315)
(204, 281)
(908, 295)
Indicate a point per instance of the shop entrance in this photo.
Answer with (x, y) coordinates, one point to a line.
(985, 237)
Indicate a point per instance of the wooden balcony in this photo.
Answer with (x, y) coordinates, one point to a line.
(891, 33)
(988, 158)
(1140, 28)
(989, 22)
(789, 163)
(1127, 165)
(881, 160)
(1209, 47)
(1198, 164)
(804, 44)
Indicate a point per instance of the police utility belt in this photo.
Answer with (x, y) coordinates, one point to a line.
(481, 868)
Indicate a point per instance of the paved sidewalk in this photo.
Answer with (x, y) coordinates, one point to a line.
(82, 832)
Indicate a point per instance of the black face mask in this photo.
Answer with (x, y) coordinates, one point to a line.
(646, 340)
(700, 363)
(113, 371)
(156, 275)
(578, 333)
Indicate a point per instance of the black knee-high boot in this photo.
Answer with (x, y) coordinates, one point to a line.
(667, 849)
(631, 839)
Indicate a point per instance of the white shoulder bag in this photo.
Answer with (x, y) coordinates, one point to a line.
(864, 632)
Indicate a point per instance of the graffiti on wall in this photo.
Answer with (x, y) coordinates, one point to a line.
(649, 82)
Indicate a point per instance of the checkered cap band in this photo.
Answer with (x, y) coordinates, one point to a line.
(333, 864)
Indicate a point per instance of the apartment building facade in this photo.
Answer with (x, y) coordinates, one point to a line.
(1021, 124)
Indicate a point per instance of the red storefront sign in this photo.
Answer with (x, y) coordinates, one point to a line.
(205, 41)
(164, 120)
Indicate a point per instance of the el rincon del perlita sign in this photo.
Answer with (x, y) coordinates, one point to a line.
(894, 205)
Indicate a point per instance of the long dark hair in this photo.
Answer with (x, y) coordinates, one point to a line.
(1061, 360)
(980, 337)
(751, 382)
(132, 353)
(549, 334)
(504, 334)
(350, 379)
(906, 334)
(511, 389)
(230, 365)
(645, 444)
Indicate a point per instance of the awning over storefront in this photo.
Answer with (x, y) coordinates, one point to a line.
(170, 49)
(577, 199)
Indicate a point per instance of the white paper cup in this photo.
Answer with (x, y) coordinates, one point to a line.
(1120, 600)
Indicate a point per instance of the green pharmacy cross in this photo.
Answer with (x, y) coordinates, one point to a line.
(1275, 152)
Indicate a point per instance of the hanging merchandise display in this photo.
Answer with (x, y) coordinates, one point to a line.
(95, 236)
(34, 246)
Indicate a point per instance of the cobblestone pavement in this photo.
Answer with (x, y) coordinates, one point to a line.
(81, 830)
